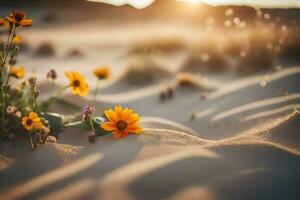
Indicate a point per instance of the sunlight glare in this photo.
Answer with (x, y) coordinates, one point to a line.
(139, 4)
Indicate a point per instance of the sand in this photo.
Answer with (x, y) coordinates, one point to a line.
(225, 137)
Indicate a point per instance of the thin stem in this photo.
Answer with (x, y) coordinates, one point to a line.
(60, 92)
(3, 86)
(96, 90)
(91, 123)
(31, 141)
(9, 70)
(52, 87)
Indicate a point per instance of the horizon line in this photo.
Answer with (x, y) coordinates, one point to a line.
(140, 4)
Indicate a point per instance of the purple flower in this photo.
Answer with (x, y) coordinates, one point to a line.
(52, 74)
(87, 112)
(92, 136)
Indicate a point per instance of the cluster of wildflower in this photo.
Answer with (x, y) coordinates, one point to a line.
(22, 112)
(19, 109)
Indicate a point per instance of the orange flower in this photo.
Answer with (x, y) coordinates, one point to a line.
(18, 18)
(32, 121)
(4, 23)
(17, 39)
(121, 122)
(17, 72)
(102, 73)
(77, 83)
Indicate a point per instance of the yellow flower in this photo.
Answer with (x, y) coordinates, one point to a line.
(32, 121)
(4, 23)
(77, 83)
(18, 18)
(102, 73)
(121, 122)
(17, 39)
(17, 72)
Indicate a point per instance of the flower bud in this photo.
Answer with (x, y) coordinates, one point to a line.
(92, 136)
(52, 74)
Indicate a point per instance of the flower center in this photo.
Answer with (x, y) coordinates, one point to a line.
(101, 76)
(122, 125)
(19, 16)
(29, 122)
(76, 83)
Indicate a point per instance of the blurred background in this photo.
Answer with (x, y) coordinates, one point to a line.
(218, 38)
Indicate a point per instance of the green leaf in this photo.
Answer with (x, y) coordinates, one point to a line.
(97, 121)
(55, 121)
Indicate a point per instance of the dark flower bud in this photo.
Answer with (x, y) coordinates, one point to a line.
(32, 82)
(92, 136)
(52, 74)
(12, 61)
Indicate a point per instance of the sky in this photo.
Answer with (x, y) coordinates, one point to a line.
(259, 3)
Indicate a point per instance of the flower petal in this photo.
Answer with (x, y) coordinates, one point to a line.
(118, 111)
(111, 115)
(108, 126)
(135, 129)
(69, 76)
(134, 118)
(26, 22)
(124, 134)
(117, 134)
(33, 115)
(126, 114)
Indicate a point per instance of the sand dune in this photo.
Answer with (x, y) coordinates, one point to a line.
(163, 164)
(212, 172)
(246, 82)
(163, 136)
(256, 104)
(162, 123)
(286, 133)
(275, 111)
(220, 136)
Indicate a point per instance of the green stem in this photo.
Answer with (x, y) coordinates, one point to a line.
(4, 86)
(91, 123)
(7, 53)
(31, 141)
(60, 92)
